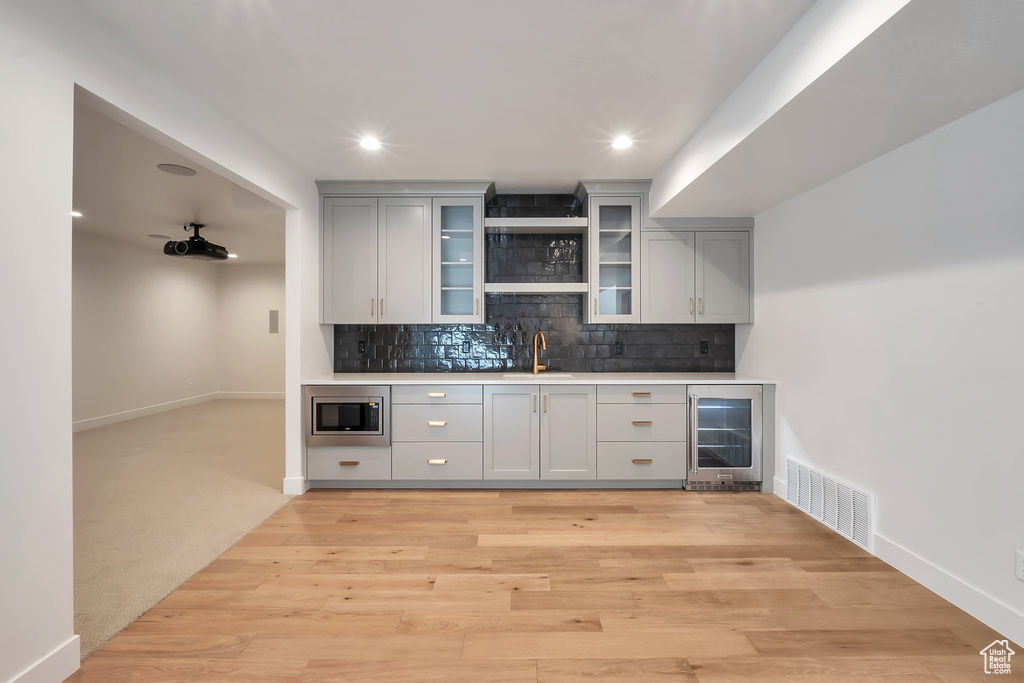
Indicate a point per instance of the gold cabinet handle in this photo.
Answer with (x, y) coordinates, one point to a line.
(641, 394)
(535, 403)
(382, 306)
(372, 307)
(348, 463)
(642, 461)
(476, 307)
(437, 461)
(545, 403)
(437, 394)
(595, 306)
(642, 423)
(700, 302)
(437, 423)
(691, 305)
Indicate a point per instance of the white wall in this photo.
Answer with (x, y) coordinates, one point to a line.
(146, 328)
(251, 358)
(889, 307)
(150, 332)
(45, 50)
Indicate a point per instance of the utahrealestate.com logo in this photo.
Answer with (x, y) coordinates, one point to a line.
(997, 657)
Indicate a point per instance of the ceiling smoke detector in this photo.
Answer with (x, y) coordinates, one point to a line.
(176, 169)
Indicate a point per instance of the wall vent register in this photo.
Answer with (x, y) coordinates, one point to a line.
(839, 506)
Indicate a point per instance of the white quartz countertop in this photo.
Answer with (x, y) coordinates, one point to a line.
(360, 378)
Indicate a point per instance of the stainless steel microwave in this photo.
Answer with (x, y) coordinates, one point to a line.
(348, 416)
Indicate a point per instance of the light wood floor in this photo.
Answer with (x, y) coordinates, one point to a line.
(496, 587)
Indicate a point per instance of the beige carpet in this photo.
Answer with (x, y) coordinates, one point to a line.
(160, 497)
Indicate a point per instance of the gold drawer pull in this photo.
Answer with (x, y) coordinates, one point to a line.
(437, 423)
(642, 461)
(437, 394)
(348, 463)
(437, 461)
(641, 394)
(642, 423)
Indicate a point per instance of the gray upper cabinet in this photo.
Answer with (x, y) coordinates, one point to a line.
(511, 432)
(404, 239)
(349, 260)
(458, 260)
(614, 236)
(568, 432)
(722, 276)
(666, 269)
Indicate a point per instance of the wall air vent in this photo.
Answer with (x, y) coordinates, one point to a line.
(841, 507)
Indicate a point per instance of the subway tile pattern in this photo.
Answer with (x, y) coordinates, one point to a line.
(505, 343)
(534, 206)
(534, 258)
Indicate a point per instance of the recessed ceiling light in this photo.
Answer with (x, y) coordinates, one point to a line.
(176, 169)
(232, 255)
(159, 237)
(369, 143)
(76, 214)
(622, 142)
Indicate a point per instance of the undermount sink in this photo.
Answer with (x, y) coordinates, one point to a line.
(540, 375)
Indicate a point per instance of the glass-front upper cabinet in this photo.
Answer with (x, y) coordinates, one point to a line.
(458, 260)
(614, 259)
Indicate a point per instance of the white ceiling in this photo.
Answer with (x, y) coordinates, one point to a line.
(527, 93)
(122, 195)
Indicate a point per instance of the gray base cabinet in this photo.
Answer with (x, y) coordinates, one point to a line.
(511, 432)
(568, 432)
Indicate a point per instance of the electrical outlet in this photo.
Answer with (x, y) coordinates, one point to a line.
(617, 350)
(1020, 565)
(362, 347)
(465, 347)
(704, 347)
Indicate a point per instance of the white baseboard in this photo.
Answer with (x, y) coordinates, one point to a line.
(56, 666)
(114, 418)
(265, 395)
(295, 486)
(971, 599)
(780, 488)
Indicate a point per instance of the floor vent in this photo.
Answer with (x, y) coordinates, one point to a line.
(838, 506)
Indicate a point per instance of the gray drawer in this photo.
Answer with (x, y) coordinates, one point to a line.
(641, 393)
(429, 394)
(438, 461)
(641, 422)
(655, 460)
(359, 462)
(437, 423)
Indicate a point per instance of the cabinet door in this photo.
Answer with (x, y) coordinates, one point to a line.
(666, 271)
(404, 242)
(722, 270)
(511, 432)
(568, 432)
(614, 260)
(458, 260)
(348, 253)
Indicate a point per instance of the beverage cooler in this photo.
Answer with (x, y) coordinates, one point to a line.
(724, 443)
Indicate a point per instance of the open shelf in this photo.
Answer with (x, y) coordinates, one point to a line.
(543, 226)
(535, 288)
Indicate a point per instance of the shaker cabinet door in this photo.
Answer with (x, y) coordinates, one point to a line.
(404, 239)
(511, 432)
(348, 267)
(666, 269)
(568, 432)
(722, 269)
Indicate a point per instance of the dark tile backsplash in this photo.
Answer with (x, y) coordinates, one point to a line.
(505, 343)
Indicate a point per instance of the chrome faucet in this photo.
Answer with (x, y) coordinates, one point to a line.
(544, 345)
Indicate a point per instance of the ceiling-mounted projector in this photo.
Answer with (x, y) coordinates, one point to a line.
(196, 247)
